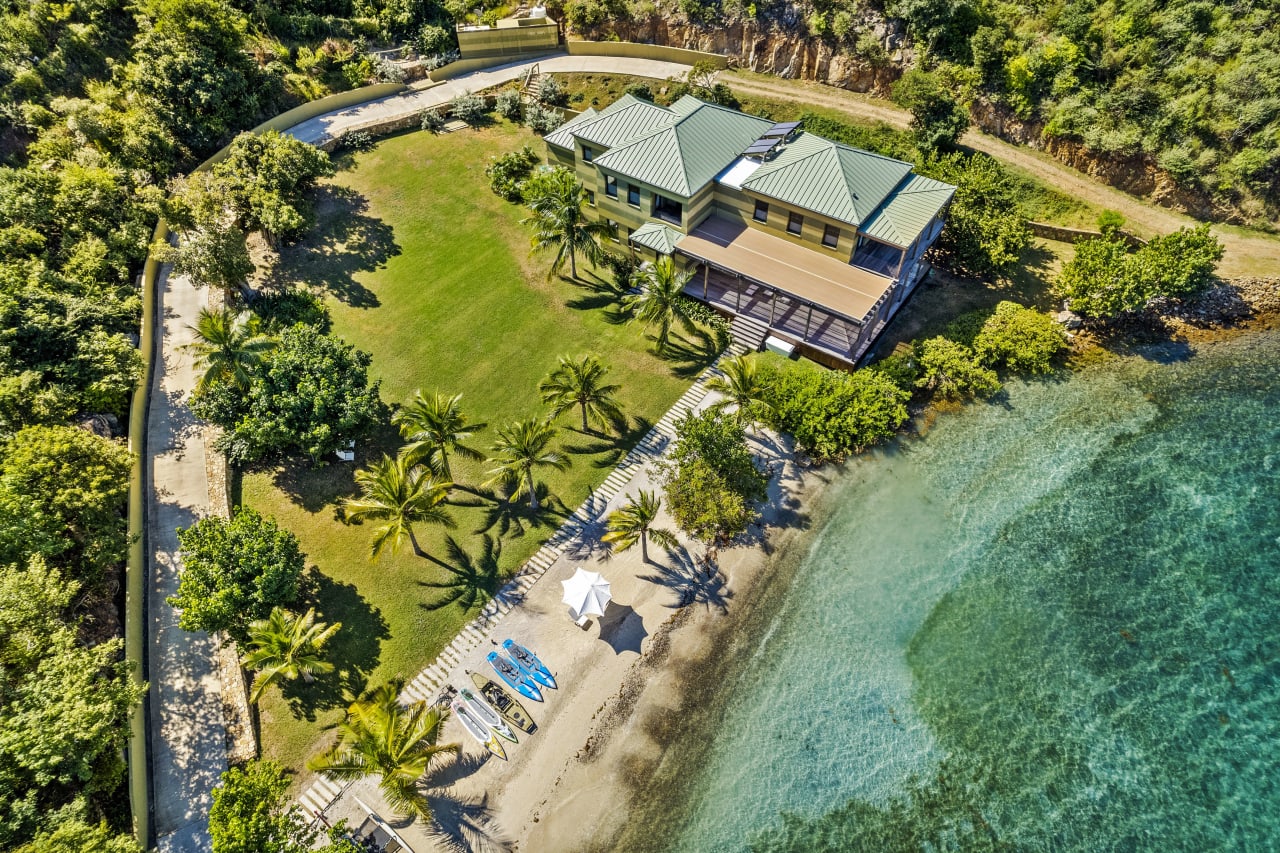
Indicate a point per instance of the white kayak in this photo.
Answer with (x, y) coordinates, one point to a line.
(486, 713)
(478, 730)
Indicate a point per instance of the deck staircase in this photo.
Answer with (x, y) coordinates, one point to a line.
(748, 334)
(532, 80)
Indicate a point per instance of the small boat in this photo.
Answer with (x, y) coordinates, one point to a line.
(486, 714)
(515, 676)
(529, 662)
(506, 704)
(478, 730)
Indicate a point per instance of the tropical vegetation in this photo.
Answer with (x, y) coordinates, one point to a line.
(1020, 339)
(252, 812)
(633, 522)
(229, 347)
(661, 302)
(710, 479)
(559, 223)
(399, 494)
(397, 743)
(435, 426)
(580, 382)
(521, 448)
(832, 414)
(742, 386)
(286, 646)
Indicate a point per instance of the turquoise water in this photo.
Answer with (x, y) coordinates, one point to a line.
(1050, 623)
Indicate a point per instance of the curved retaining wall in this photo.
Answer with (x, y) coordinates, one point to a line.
(644, 51)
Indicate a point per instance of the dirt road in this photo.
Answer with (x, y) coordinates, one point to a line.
(1247, 253)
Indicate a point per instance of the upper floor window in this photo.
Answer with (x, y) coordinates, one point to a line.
(610, 186)
(587, 154)
(762, 211)
(795, 223)
(831, 236)
(633, 195)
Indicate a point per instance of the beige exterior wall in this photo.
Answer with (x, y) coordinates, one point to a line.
(735, 204)
(509, 38)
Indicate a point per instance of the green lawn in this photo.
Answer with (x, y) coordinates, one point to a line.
(426, 269)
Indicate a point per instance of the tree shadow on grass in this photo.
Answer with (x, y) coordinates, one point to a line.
(472, 580)
(599, 294)
(354, 651)
(315, 487)
(689, 353)
(609, 449)
(345, 241)
(508, 516)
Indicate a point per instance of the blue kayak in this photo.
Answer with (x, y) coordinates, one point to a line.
(515, 676)
(529, 662)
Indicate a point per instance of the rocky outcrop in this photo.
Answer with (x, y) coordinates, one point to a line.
(781, 47)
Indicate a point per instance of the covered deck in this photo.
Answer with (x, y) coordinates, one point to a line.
(800, 294)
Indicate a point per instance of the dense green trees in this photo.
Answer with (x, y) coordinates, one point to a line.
(710, 480)
(832, 414)
(235, 571)
(311, 395)
(986, 231)
(253, 813)
(1105, 279)
(950, 371)
(937, 118)
(65, 708)
(1021, 339)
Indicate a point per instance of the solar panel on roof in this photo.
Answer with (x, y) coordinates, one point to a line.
(780, 130)
(761, 146)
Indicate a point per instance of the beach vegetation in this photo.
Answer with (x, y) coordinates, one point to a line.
(710, 479)
(1106, 279)
(743, 386)
(236, 571)
(521, 448)
(399, 494)
(661, 302)
(581, 382)
(311, 395)
(286, 646)
(559, 223)
(252, 812)
(397, 743)
(633, 522)
(951, 371)
(435, 426)
(1019, 339)
(832, 414)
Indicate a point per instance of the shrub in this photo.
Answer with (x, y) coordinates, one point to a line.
(431, 120)
(552, 92)
(937, 118)
(542, 120)
(622, 266)
(508, 172)
(640, 90)
(901, 368)
(709, 317)
(950, 371)
(387, 71)
(1110, 221)
(508, 104)
(284, 309)
(1022, 339)
(710, 479)
(468, 107)
(986, 232)
(432, 39)
(832, 414)
(355, 140)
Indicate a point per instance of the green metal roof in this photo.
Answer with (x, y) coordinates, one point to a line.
(683, 157)
(656, 236)
(617, 126)
(908, 210)
(562, 136)
(834, 180)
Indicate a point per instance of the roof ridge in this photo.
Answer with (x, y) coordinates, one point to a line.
(856, 150)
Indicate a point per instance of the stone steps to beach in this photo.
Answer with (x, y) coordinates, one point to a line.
(322, 794)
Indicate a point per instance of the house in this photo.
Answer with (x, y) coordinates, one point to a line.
(808, 240)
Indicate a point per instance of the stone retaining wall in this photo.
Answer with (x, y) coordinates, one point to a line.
(1077, 235)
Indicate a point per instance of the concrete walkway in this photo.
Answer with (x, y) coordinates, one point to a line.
(323, 128)
(188, 733)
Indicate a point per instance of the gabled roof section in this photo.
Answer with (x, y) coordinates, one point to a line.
(619, 125)
(834, 180)
(656, 236)
(562, 136)
(908, 210)
(683, 157)
(685, 105)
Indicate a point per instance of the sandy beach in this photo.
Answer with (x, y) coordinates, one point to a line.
(620, 680)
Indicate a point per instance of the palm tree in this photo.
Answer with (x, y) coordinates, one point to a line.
(741, 385)
(580, 383)
(435, 426)
(285, 646)
(634, 523)
(400, 494)
(559, 221)
(228, 346)
(380, 737)
(521, 447)
(660, 301)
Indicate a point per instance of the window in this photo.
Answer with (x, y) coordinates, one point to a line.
(633, 195)
(613, 229)
(587, 154)
(610, 186)
(591, 197)
(762, 211)
(795, 223)
(831, 236)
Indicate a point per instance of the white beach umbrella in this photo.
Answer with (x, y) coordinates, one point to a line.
(586, 593)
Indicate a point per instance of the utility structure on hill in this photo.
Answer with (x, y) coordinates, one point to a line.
(818, 242)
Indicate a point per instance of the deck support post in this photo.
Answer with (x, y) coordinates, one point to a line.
(807, 320)
(738, 289)
(706, 275)
(773, 306)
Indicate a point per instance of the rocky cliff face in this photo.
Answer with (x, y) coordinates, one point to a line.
(782, 48)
